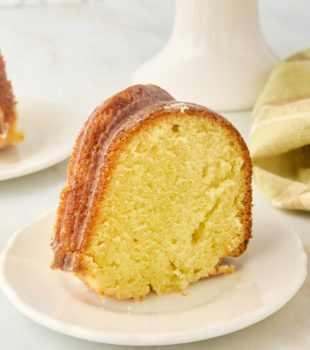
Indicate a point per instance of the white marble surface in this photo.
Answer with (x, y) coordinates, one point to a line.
(80, 54)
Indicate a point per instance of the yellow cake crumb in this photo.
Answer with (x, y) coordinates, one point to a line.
(170, 211)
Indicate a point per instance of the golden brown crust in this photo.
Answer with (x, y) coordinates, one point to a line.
(108, 129)
(8, 115)
(7, 102)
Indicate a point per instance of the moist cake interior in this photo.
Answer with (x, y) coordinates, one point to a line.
(173, 208)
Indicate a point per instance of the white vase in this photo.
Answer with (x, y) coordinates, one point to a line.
(216, 55)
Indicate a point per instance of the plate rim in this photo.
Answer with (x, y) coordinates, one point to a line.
(35, 167)
(147, 339)
(45, 162)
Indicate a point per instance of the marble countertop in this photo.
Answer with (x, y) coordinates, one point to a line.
(78, 54)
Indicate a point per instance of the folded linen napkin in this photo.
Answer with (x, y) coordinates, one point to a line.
(280, 135)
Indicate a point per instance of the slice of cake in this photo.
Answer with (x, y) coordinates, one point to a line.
(8, 114)
(158, 193)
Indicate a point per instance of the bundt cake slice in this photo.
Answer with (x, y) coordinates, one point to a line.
(8, 114)
(158, 193)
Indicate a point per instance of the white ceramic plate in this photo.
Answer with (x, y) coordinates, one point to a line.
(50, 131)
(267, 276)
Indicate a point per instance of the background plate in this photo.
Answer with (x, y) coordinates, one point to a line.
(267, 275)
(50, 132)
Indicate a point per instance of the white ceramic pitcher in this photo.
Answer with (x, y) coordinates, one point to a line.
(216, 55)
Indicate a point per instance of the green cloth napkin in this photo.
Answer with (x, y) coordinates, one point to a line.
(280, 135)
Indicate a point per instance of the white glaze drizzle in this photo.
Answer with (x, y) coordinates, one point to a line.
(69, 261)
(182, 106)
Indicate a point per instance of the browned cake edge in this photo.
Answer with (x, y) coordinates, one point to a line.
(76, 211)
(7, 101)
(108, 129)
(8, 111)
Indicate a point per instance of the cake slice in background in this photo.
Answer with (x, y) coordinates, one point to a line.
(158, 193)
(8, 113)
